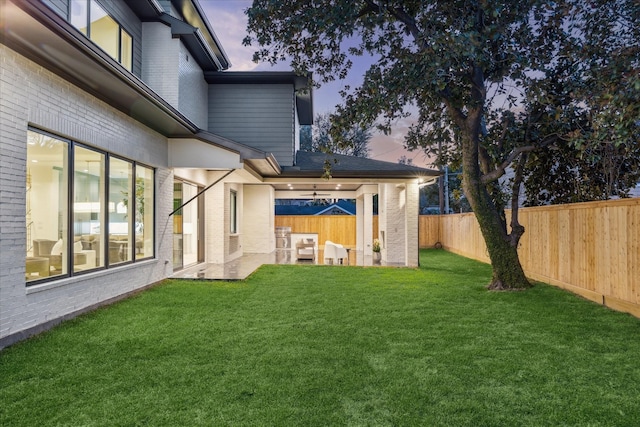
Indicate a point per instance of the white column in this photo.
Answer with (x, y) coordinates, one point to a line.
(360, 224)
(412, 211)
(368, 223)
(216, 211)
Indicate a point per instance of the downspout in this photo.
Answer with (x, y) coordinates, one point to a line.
(202, 192)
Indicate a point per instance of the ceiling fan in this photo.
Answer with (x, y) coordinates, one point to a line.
(315, 194)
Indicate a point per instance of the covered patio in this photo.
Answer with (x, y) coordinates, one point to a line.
(242, 267)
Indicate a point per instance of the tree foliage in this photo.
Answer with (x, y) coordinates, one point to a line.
(479, 75)
(350, 142)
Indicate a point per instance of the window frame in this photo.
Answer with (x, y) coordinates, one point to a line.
(233, 212)
(104, 216)
(121, 29)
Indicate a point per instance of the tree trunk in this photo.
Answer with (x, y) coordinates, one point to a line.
(507, 270)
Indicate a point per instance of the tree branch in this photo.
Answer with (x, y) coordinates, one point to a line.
(517, 230)
(410, 23)
(485, 160)
(499, 171)
(368, 8)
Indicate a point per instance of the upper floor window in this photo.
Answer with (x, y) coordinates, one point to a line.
(93, 21)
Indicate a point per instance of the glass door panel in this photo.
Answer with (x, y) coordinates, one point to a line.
(177, 225)
(187, 225)
(190, 226)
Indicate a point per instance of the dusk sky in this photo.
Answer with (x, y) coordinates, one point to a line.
(230, 25)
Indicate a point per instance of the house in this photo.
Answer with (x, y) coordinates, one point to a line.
(312, 207)
(128, 152)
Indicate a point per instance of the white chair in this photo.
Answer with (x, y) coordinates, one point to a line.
(335, 252)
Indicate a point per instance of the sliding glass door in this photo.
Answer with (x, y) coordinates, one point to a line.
(188, 226)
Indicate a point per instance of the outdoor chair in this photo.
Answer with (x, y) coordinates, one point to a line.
(334, 252)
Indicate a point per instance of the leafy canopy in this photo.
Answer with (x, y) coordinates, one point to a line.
(448, 58)
(352, 142)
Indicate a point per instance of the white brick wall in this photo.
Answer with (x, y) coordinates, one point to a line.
(193, 93)
(216, 210)
(398, 219)
(259, 219)
(160, 61)
(31, 95)
(412, 211)
(393, 220)
(169, 69)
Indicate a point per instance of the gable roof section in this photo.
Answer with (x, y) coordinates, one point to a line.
(195, 17)
(193, 39)
(309, 164)
(346, 207)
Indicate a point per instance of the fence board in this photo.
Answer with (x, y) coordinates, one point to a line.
(592, 249)
(337, 228)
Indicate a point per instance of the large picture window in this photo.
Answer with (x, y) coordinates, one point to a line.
(93, 21)
(106, 220)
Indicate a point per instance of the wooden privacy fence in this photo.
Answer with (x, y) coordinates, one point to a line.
(337, 228)
(592, 249)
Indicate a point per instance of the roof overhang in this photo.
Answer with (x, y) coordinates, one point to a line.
(195, 16)
(261, 162)
(301, 86)
(37, 32)
(195, 42)
(146, 9)
(349, 176)
(310, 165)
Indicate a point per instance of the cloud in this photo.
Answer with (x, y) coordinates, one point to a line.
(390, 148)
(229, 22)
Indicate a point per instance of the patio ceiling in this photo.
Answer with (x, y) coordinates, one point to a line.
(321, 188)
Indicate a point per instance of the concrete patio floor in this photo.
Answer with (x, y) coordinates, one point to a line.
(242, 267)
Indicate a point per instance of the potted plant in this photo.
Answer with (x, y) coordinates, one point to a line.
(376, 250)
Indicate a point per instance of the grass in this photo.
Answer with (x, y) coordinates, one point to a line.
(315, 345)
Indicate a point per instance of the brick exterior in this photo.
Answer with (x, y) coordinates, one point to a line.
(412, 222)
(159, 62)
(170, 70)
(258, 218)
(193, 95)
(398, 220)
(33, 96)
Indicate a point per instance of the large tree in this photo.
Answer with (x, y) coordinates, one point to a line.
(457, 63)
(351, 142)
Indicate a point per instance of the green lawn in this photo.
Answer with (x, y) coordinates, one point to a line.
(316, 345)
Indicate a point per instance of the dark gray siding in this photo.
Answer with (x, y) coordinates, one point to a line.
(61, 7)
(261, 116)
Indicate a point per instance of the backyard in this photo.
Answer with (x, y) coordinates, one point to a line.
(317, 345)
